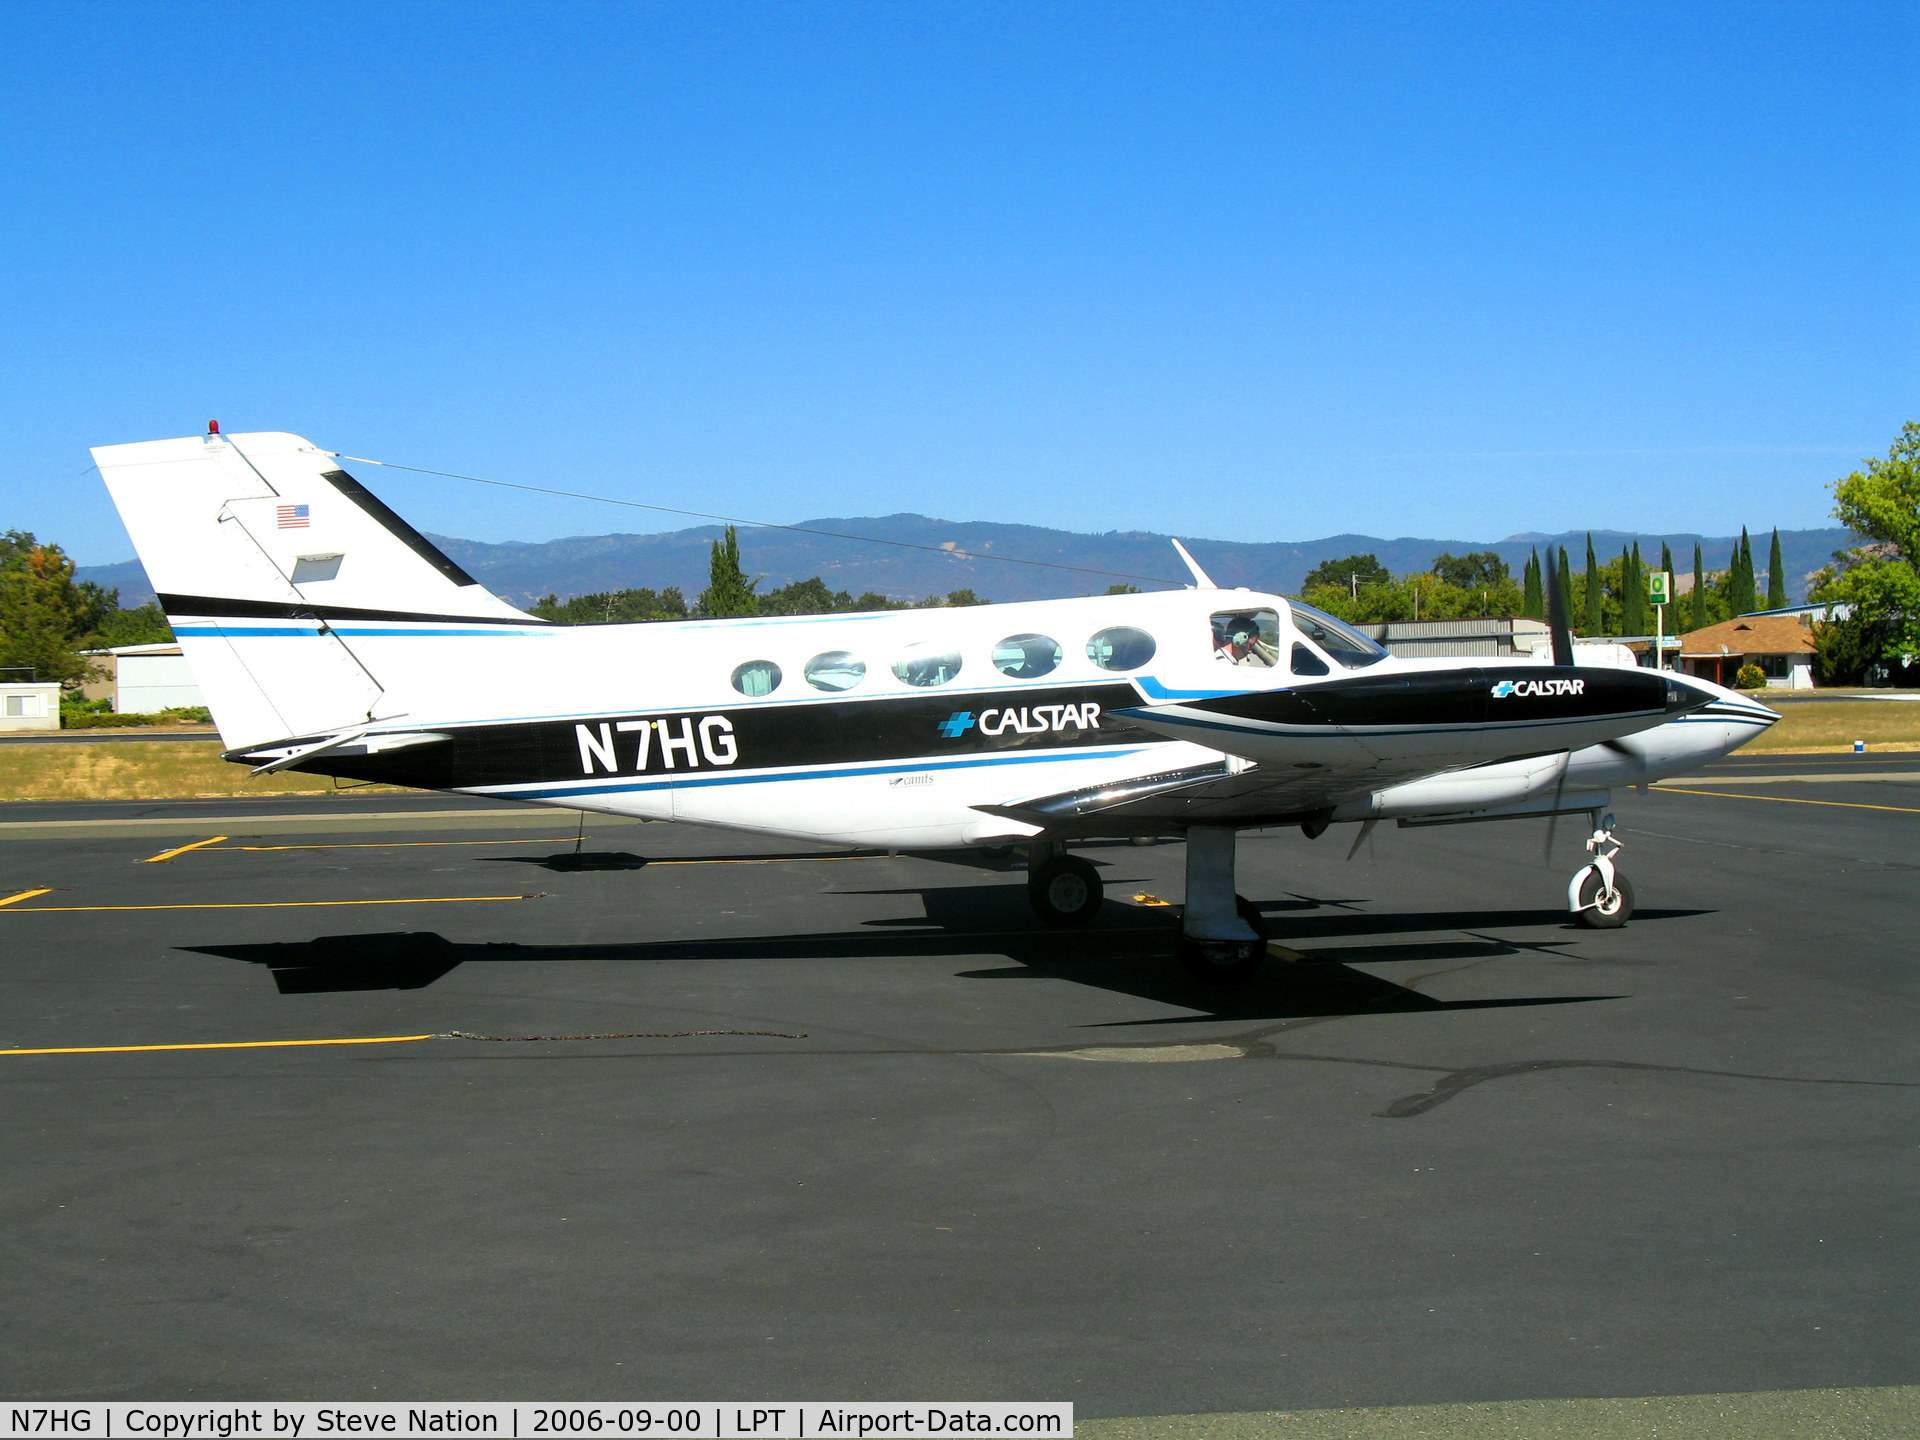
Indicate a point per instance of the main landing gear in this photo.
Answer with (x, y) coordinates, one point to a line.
(1222, 936)
(1063, 889)
(1599, 896)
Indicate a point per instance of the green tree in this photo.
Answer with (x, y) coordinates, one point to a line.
(46, 617)
(1533, 602)
(1593, 613)
(1776, 575)
(142, 625)
(1882, 504)
(1740, 590)
(1566, 588)
(1478, 570)
(1842, 651)
(1880, 578)
(729, 591)
(612, 607)
(965, 597)
(805, 597)
(1351, 573)
(1122, 590)
(1699, 595)
(1633, 595)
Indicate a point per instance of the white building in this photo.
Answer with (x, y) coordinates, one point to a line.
(28, 705)
(142, 679)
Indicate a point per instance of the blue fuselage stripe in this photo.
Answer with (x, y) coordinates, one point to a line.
(694, 779)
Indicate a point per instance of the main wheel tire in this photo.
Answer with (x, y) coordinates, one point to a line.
(1226, 962)
(1065, 891)
(1609, 912)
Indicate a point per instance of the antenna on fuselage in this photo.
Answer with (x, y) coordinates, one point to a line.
(1201, 580)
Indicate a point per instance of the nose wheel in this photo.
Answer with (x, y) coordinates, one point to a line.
(1600, 897)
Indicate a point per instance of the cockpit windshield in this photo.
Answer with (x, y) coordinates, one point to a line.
(1343, 644)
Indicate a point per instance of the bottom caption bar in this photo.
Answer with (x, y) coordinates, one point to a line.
(120, 1420)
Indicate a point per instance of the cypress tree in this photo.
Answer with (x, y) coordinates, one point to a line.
(1633, 603)
(728, 592)
(1566, 587)
(1533, 602)
(1593, 621)
(1699, 590)
(1666, 564)
(1740, 576)
(1776, 575)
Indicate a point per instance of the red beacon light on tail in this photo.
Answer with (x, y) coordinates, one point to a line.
(213, 427)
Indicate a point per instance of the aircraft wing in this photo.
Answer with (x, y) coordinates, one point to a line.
(1225, 792)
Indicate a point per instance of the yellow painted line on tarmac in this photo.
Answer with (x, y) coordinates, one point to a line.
(264, 904)
(1788, 800)
(1817, 777)
(25, 895)
(221, 1045)
(166, 855)
(402, 844)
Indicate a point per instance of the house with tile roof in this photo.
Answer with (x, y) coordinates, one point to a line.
(1781, 645)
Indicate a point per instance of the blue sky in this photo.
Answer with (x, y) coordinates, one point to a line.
(1246, 271)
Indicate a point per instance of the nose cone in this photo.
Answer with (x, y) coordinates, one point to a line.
(1687, 695)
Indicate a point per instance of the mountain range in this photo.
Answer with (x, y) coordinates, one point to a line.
(932, 557)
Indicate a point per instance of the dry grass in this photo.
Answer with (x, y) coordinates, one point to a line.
(136, 770)
(1811, 727)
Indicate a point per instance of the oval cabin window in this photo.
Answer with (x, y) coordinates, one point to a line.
(1121, 648)
(835, 670)
(756, 677)
(1027, 657)
(927, 664)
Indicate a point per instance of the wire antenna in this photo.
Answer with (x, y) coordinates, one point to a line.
(762, 524)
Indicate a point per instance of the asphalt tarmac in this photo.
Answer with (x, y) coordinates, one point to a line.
(812, 1124)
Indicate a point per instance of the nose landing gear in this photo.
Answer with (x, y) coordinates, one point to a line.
(1600, 897)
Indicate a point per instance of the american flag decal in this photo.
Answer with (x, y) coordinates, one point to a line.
(293, 517)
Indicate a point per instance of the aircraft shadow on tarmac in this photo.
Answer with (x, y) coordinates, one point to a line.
(576, 861)
(1128, 952)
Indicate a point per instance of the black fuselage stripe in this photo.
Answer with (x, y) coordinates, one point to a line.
(215, 607)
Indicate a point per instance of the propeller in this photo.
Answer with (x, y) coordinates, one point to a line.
(1366, 831)
(1562, 655)
(1557, 616)
(1553, 816)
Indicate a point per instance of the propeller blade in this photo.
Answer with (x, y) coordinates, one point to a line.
(1553, 820)
(1557, 616)
(1366, 829)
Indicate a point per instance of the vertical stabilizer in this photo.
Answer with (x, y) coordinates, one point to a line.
(258, 546)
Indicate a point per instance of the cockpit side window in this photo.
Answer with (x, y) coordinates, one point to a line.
(1347, 646)
(1305, 662)
(1248, 638)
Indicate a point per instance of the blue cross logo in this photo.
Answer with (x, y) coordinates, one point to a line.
(956, 724)
(1503, 689)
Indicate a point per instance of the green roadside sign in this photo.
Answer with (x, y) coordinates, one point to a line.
(1660, 587)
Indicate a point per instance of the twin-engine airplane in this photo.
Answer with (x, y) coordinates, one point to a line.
(330, 636)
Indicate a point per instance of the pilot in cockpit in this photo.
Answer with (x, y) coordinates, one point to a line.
(1237, 642)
